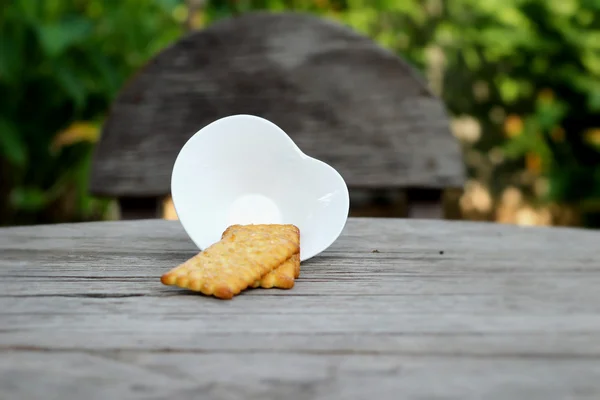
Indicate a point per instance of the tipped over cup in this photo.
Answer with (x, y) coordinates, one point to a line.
(244, 169)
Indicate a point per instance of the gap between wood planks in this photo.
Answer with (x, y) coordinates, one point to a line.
(337, 352)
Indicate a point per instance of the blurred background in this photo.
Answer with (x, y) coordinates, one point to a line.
(520, 78)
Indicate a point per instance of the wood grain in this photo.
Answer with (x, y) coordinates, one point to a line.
(341, 97)
(411, 309)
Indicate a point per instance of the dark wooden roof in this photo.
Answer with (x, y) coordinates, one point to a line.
(342, 99)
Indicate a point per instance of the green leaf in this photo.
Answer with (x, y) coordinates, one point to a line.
(107, 71)
(70, 84)
(509, 89)
(563, 7)
(168, 5)
(592, 4)
(511, 16)
(525, 142)
(10, 58)
(29, 8)
(28, 199)
(471, 58)
(549, 115)
(55, 38)
(12, 146)
(517, 147)
(594, 101)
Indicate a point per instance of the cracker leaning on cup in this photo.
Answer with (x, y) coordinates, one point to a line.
(266, 255)
(284, 275)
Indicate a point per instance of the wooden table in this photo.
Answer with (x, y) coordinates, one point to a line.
(395, 309)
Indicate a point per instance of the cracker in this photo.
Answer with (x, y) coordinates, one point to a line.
(278, 229)
(235, 262)
(282, 277)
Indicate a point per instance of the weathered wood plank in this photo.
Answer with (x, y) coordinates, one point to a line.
(133, 375)
(540, 345)
(558, 285)
(395, 308)
(416, 304)
(461, 325)
(341, 97)
(362, 235)
(314, 323)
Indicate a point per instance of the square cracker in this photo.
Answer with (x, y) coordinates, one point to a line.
(282, 277)
(238, 260)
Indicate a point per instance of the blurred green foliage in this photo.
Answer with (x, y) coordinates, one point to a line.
(62, 62)
(528, 71)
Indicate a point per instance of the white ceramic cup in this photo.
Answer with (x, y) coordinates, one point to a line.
(243, 169)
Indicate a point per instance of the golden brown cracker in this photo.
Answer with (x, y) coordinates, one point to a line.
(297, 266)
(283, 276)
(288, 230)
(237, 261)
